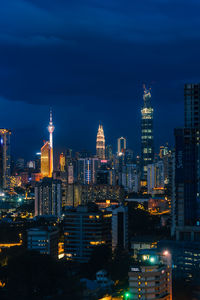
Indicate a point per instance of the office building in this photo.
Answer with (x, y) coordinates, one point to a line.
(85, 228)
(4, 158)
(150, 277)
(70, 173)
(100, 143)
(43, 240)
(130, 178)
(109, 152)
(120, 227)
(147, 135)
(45, 160)
(186, 171)
(62, 162)
(48, 197)
(87, 168)
(155, 176)
(121, 146)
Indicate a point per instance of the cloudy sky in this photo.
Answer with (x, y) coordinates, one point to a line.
(88, 59)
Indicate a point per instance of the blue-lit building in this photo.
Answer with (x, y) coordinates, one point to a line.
(147, 135)
(87, 168)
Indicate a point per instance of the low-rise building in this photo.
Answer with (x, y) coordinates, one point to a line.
(43, 240)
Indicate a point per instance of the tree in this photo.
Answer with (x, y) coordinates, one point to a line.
(36, 276)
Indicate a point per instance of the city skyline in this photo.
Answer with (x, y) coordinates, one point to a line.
(88, 143)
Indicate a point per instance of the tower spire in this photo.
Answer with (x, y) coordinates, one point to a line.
(51, 130)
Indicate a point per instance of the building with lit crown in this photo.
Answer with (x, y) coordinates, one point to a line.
(100, 143)
(147, 136)
(121, 146)
(4, 157)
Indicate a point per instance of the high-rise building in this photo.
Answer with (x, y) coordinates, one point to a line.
(120, 227)
(147, 136)
(4, 157)
(151, 277)
(100, 143)
(45, 160)
(85, 228)
(155, 176)
(87, 168)
(186, 175)
(109, 152)
(48, 197)
(51, 130)
(121, 146)
(62, 162)
(130, 178)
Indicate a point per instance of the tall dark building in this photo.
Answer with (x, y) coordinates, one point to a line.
(186, 192)
(85, 228)
(4, 157)
(147, 137)
(48, 197)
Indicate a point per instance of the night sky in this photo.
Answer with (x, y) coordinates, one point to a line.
(88, 59)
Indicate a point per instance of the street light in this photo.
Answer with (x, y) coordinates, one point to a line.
(127, 295)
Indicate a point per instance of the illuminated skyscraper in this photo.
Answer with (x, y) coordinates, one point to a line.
(4, 157)
(100, 144)
(87, 168)
(147, 137)
(45, 160)
(62, 162)
(121, 146)
(51, 130)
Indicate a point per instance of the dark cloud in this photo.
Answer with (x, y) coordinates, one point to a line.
(89, 60)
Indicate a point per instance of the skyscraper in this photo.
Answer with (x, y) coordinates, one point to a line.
(87, 168)
(121, 146)
(4, 157)
(62, 162)
(109, 153)
(100, 143)
(45, 160)
(51, 130)
(147, 137)
(186, 191)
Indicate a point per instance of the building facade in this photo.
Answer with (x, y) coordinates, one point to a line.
(4, 158)
(120, 227)
(87, 168)
(85, 228)
(147, 134)
(186, 171)
(43, 240)
(48, 197)
(151, 278)
(45, 160)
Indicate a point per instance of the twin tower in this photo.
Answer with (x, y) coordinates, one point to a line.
(100, 143)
